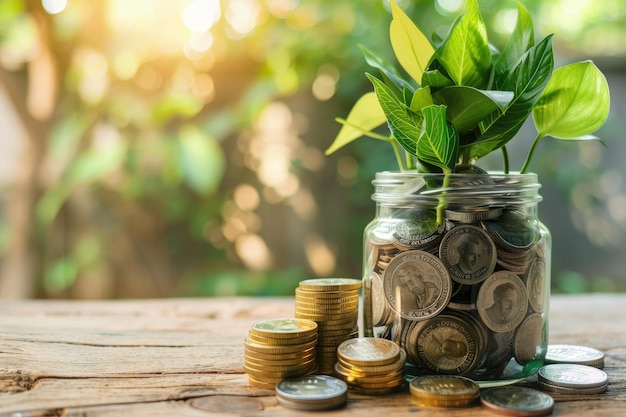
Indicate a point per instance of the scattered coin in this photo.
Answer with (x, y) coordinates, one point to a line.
(444, 390)
(574, 354)
(517, 401)
(312, 393)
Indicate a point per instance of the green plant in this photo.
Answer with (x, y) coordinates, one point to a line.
(463, 98)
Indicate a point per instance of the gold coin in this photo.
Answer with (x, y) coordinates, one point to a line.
(261, 375)
(440, 390)
(279, 360)
(262, 384)
(350, 375)
(287, 328)
(283, 356)
(328, 313)
(253, 338)
(377, 385)
(502, 301)
(269, 366)
(280, 349)
(330, 284)
(369, 351)
(324, 322)
(373, 369)
(328, 296)
(332, 308)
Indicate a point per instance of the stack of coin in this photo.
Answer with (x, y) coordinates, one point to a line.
(312, 393)
(444, 390)
(572, 379)
(279, 348)
(333, 303)
(371, 365)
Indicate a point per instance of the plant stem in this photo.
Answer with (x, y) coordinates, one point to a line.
(505, 159)
(531, 152)
(443, 203)
(396, 151)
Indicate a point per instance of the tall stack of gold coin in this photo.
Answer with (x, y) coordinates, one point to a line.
(333, 303)
(371, 365)
(280, 348)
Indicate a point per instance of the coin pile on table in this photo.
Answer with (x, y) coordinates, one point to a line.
(312, 393)
(333, 303)
(370, 365)
(280, 348)
(517, 401)
(572, 379)
(444, 390)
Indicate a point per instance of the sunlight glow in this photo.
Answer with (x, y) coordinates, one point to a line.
(54, 6)
(321, 258)
(201, 15)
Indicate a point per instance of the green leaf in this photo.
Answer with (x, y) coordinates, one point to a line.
(465, 53)
(435, 79)
(575, 102)
(421, 98)
(404, 126)
(412, 49)
(385, 68)
(439, 143)
(365, 115)
(527, 81)
(467, 106)
(521, 40)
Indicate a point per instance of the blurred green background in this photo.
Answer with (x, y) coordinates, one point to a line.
(154, 148)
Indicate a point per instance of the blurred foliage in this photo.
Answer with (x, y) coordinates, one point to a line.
(177, 145)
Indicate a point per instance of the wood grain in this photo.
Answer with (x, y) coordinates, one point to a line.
(183, 357)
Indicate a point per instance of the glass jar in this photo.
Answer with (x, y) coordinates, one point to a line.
(456, 270)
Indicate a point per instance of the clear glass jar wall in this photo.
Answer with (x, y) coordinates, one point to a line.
(456, 269)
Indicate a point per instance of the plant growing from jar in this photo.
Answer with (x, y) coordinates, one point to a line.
(456, 260)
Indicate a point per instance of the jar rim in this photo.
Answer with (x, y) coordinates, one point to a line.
(488, 189)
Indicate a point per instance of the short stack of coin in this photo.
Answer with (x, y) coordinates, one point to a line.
(572, 379)
(371, 365)
(444, 390)
(574, 354)
(333, 303)
(280, 348)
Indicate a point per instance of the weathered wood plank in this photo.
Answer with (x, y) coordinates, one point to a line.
(154, 357)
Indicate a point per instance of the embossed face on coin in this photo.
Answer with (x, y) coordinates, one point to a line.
(468, 253)
(502, 301)
(416, 284)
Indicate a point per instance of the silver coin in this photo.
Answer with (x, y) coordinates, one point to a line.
(517, 401)
(580, 355)
(572, 376)
(502, 301)
(535, 283)
(417, 285)
(314, 392)
(529, 339)
(570, 391)
(468, 253)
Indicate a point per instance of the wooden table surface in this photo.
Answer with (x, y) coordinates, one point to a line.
(183, 357)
